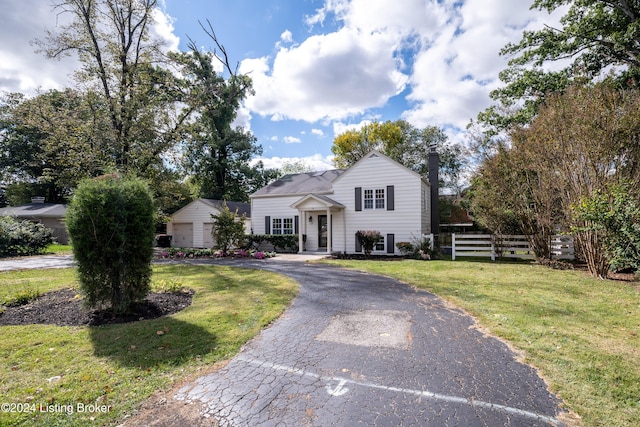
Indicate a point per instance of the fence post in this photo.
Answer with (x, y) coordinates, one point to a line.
(432, 243)
(453, 246)
(493, 250)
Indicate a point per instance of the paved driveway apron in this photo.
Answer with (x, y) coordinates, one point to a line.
(361, 349)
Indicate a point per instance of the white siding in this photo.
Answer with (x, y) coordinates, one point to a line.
(405, 221)
(409, 219)
(274, 207)
(207, 237)
(196, 213)
(425, 208)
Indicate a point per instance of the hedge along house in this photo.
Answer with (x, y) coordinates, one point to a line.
(191, 226)
(329, 207)
(51, 215)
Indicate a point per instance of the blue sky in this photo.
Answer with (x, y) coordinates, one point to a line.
(319, 67)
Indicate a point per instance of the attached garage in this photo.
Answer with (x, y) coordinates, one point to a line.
(191, 226)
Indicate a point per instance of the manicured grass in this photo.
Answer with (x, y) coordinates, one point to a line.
(581, 333)
(51, 367)
(58, 249)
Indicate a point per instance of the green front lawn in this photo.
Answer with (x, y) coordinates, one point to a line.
(119, 366)
(58, 249)
(581, 333)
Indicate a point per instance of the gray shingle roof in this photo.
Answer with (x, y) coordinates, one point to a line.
(35, 210)
(241, 207)
(301, 183)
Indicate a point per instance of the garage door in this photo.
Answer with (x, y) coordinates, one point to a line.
(206, 238)
(182, 235)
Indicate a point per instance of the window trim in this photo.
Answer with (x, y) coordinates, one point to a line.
(281, 229)
(377, 199)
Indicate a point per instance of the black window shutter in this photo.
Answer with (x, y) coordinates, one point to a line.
(390, 198)
(296, 219)
(267, 225)
(391, 243)
(358, 199)
(358, 245)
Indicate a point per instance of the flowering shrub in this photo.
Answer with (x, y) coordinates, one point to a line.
(241, 253)
(181, 253)
(368, 239)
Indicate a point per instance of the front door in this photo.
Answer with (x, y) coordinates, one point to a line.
(322, 232)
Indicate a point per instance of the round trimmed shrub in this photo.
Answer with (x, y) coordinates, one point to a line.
(111, 225)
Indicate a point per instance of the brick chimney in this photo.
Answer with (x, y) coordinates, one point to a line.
(434, 162)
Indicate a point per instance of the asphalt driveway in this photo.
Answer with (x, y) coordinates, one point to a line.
(35, 262)
(361, 349)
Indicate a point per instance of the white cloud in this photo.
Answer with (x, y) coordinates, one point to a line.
(291, 140)
(243, 119)
(340, 128)
(286, 37)
(327, 76)
(23, 70)
(317, 132)
(453, 76)
(316, 162)
(163, 29)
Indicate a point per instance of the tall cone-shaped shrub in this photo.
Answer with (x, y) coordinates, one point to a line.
(111, 224)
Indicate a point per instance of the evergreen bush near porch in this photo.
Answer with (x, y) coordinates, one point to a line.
(111, 224)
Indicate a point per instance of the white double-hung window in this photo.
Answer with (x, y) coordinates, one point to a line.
(282, 225)
(374, 198)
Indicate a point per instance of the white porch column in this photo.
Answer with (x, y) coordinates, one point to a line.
(329, 231)
(301, 221)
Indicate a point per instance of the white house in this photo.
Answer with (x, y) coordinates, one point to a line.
(191, 226)
(329, 207)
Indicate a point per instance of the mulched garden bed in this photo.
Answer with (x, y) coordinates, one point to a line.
(65, 308)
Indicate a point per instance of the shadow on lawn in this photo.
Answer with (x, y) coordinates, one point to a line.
(149, 343)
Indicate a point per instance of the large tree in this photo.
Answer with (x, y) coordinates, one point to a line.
(217, 153)
(121, 61)
(582, 143)
(594, 36)
(404, 143)
(50, 142)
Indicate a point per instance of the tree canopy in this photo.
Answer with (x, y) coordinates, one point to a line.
(121, 61)
(404, 143)
(52, 141)
(595, 36)
(217, 153)
(582, 143)
(136, 109)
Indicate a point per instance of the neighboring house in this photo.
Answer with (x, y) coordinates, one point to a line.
(51, 215)
(329, 207)
(191, 226)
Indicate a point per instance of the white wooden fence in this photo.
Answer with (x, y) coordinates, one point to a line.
(512, 246)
